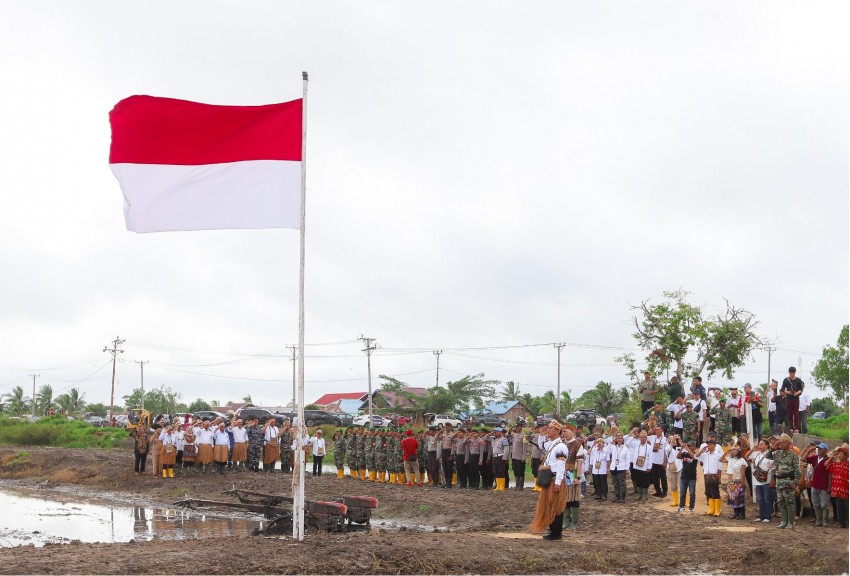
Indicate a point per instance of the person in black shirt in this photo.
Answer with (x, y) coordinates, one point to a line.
(793, 387)
(688, 479)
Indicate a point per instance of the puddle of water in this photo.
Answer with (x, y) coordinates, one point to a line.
(30, 520)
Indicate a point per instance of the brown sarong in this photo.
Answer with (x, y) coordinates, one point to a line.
(190, 453)
(549, 505)
(167, 458)
(272, 453)
(240, 452)
(205, 453)
(221, 452)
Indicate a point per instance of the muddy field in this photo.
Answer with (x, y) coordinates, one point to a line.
(456, 531)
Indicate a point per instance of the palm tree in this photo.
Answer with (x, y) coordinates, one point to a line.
(247, 400)
(607, 401)
(71, 403)
(44, 399)
(16, 402)
(510, 393)
(566, 402)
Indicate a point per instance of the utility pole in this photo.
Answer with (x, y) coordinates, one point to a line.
(114, 351)
(370, 347)
(34, 376)
(142, 363)
(293, 349)
(437, 354)
(559, 346)
(770, 349)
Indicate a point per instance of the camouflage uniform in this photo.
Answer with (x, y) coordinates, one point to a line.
(255, 447)
(351, 452)
(787, 474)
(690, 423)
(722, 424)
(361, 454)
(339, 452)
(285, 449)
(370, 452)
(398, 456)
(381, 455)
(422, 454)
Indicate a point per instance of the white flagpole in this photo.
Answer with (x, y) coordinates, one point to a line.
(298, 507)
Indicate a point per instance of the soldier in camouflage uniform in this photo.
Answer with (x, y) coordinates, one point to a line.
(351, 451)
(361, 454)
(722, 423)
(286, 448)
(786, 472)
(370, 454)
(422, 455)
(398, 458)
(690, 424)
(255, 445)
(381, 455)
(390, 442)
(339, 453)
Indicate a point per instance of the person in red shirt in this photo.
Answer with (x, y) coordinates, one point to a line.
(816, 456)
(837, 467)
(409, 448)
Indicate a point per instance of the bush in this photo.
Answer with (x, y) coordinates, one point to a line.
(61, 432)
(834, 428)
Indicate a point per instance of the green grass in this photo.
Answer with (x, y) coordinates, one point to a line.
(834, 428)
(60, 432)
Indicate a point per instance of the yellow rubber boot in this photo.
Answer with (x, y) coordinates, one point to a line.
(393, 477)
(500, 484)
(454, 478)
(362, 473)
(710, 507)
(674, 499)
(717, 504)
(164, 473)
(340, 473)
(401, 478)
(171, 472)
(372, 475)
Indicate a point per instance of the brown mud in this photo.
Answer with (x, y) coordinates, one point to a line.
(457, 531)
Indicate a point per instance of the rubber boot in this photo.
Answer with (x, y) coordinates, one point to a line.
(171, 472)
(784, 523)
(718, 504)
(576, 514)
(568, 518)
(520, 482)
(824, 512)
(790, 513)
(373, 475)
(674, 499)
(340, 473)
(352, 473)
(500, 484)
(164, 473)
(454, 478)
(362, 473)
(742, 513)
(400, 478)
(818, 517)
(710, 507)
(639, 494)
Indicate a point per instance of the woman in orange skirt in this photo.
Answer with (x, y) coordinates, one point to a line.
(204, 442)
(272, 450)
(168, 454)
(240, 445)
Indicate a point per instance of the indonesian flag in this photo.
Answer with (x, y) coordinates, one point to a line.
(189, 166)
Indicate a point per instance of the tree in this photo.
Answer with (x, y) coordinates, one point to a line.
(15, 401)
(391, 384)
(160, 400)
(831, 371)
(71, 403)
(247, 400)
(457, 396)
(608, 400)
(675, 333)
(825, 405)
(510, 392)
(198, 405)
(97, 409)
(44, 399)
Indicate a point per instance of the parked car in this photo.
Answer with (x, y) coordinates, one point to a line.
(440, 420)
(378, 421)
(819, 416)
(486, 418)
(96, 421)
(586, 417)
(211, 415)
(261, 414)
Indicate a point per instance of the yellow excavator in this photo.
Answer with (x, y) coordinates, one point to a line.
(139, 417)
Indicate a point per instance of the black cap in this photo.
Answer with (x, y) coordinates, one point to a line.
(792, 369)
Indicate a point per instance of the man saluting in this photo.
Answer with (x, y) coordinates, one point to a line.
(552, 499)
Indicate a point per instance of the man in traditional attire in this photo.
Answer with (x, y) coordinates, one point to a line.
(552, 499)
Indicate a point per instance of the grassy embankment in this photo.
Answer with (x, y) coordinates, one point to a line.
(834, 428)
(60, 432)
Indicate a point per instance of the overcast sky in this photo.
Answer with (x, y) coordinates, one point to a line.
(479, 175)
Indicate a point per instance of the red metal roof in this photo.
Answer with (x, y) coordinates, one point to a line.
(328, 398)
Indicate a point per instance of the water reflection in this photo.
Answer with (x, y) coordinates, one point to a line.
(27, 519)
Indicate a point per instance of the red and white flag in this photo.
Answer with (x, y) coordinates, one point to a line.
(189, 166)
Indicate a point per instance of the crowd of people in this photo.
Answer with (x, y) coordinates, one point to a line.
(664, 452)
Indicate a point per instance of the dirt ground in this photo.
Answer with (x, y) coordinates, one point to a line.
(458, 531)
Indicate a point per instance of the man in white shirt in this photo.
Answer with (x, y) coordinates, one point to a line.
(709, 455)
(700, 408)
(552, 499)
(805, 402)
(318, 444)
(677, 408)
(659, 461)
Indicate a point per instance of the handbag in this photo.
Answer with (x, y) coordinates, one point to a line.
(169, 448)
